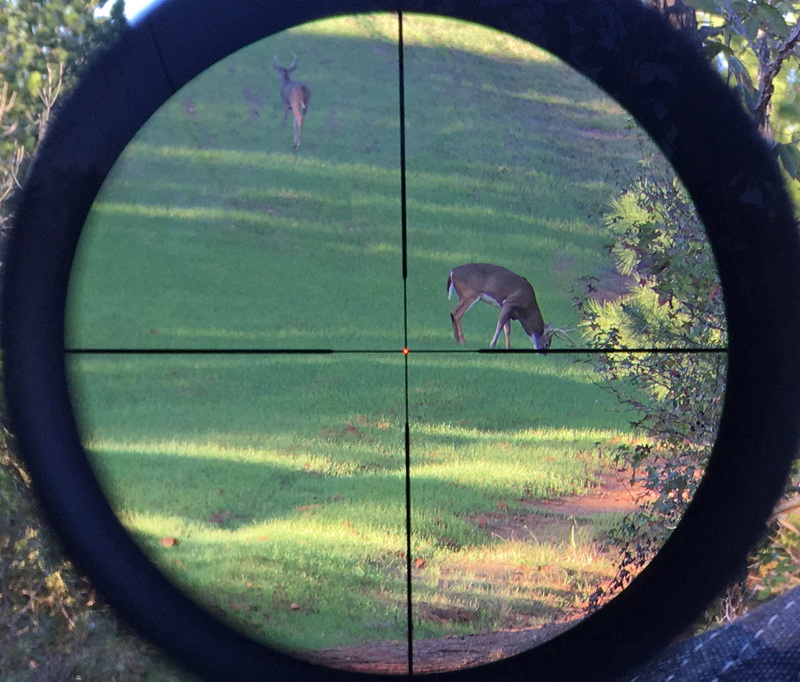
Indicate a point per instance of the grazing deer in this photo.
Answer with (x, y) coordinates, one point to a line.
(511, 293)
(294, 95)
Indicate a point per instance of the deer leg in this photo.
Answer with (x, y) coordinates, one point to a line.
(503, 323)
(464, 304)
(457, 326)
(507, 329)
(298, 126)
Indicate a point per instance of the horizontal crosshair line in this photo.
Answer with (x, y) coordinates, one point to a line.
(330, 351)
(207, 351)
(561, 351)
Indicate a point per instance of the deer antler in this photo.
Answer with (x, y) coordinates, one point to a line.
(559, 331)
(294, 61)
(563, 333)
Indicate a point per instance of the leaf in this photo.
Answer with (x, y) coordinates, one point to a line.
(790, 160)
(773, 19)
(34, 83)
(739, 7)
(627, 260)
(706, 6)
(72, 19)
(751, 26)
(741, 73)
(712, 48)
(789, 110)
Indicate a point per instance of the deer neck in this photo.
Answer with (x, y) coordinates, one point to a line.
(532, 322)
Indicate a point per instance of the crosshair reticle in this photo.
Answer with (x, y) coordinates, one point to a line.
(629, 53)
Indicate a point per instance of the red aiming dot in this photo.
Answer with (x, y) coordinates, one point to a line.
(405, 351)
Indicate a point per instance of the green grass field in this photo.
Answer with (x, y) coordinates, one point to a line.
(282, 478)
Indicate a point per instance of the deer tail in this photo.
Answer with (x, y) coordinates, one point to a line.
(306, 97)
(450, 286)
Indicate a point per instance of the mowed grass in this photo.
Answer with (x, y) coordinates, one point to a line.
(283, 478)
(211, 231)
(283, 482)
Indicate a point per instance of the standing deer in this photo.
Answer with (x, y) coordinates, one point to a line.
(294, 95)
(511, 293)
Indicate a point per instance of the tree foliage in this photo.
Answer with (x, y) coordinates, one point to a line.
(758, 50)
(674, 298)
(674, 303)
(44, 47)
(756, 46)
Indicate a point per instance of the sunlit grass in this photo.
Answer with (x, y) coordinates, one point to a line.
(354, 26)
(432, 32)
(524, 436)
(347, 539)
(236, 217)
(274, 161)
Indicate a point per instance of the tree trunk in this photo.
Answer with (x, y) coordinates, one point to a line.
(765, 86)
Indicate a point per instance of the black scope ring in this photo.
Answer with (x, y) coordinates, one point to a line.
(628, 51)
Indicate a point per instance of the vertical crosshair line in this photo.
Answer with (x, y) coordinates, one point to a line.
(404, 235)
(403, 223)
(409, 599)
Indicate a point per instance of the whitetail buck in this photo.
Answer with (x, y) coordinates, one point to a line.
(511, 293)
(294, 95)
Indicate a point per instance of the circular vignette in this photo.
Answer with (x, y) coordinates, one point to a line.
(626, 50)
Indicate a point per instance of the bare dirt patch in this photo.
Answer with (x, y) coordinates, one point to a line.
(437, 655)
(551, 520)
(608, 285)
(615, 494)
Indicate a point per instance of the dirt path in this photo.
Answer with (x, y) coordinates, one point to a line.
(437, 655)
(615, 494)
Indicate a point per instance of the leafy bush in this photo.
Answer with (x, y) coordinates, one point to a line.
(673, 306)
